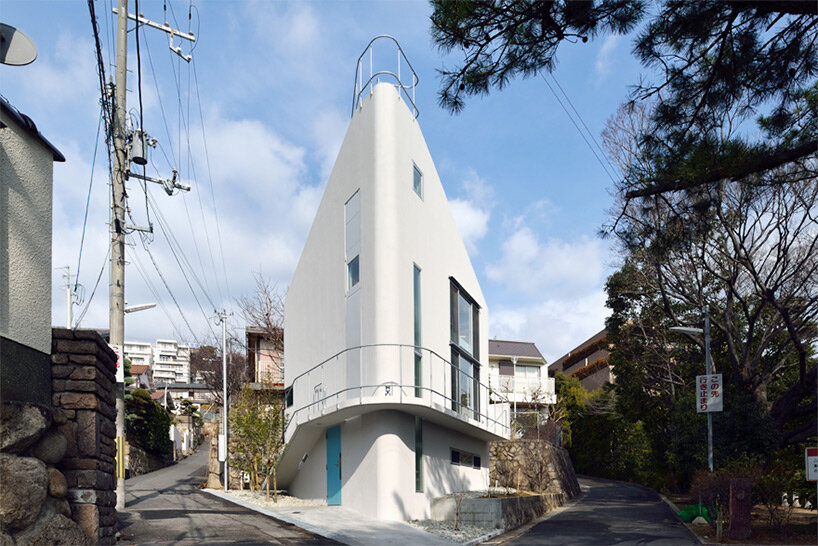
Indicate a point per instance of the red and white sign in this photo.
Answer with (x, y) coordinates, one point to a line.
(811, 455)
(708, 393)
(120, 363)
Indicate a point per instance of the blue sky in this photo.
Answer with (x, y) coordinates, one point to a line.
(254, 124)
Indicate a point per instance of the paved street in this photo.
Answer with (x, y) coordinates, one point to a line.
(609, 513)
(167, 507)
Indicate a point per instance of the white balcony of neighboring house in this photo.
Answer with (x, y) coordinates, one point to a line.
(522, 389)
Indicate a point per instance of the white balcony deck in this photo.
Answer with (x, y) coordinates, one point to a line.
(383, 377)
(508, 388)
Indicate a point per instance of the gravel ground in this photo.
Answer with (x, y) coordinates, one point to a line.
(259, 498)
(465, 533)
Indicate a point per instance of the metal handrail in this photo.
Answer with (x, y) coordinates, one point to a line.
(335, 357)
(360, 86)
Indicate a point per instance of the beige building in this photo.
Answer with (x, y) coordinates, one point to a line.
(265, 356)
(588, 362)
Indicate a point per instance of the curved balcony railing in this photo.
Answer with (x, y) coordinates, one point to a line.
(375, 76)
(393, 373)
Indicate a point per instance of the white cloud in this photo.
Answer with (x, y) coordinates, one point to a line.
(530, 267)
(555, 323)
(602, 65)
(472, 212)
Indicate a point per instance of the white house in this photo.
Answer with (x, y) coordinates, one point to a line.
(386, 330)
(518, 373)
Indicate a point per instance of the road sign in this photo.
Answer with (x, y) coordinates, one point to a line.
(709, 393)
(120, 363)
(811, 455)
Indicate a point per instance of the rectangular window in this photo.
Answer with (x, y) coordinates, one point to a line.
(418, 454)
(506, 368)
(465, 343)
(353, 273)
(464, 458)
(352, 236)
(417, 326)
(417, 181)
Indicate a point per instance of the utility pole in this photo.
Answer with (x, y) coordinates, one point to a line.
(223, 447)
(118, 207)
(708, 365)
(117, 266)
(69, 297)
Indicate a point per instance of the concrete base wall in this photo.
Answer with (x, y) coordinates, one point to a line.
(494, 513)
(378, 466)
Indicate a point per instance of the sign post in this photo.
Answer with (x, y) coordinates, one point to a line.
(709, 393)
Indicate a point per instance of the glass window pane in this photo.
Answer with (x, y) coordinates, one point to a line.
(464, 321)
(417, 182)
(353, 272)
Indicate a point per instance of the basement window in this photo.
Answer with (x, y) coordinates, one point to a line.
(464, 458)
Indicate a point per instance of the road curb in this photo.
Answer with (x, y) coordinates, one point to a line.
(675, 510)
(337, 537)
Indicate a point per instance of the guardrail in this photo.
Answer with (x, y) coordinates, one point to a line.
(375, 76)
(384, 373)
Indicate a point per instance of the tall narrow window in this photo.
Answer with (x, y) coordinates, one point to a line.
(465, 343)
(417, 181)
(417, 340)
(418, 454)
(352, 235)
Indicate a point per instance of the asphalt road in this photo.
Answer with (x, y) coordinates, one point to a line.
(167, 507)
(608, 513)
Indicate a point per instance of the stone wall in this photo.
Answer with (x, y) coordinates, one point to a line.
(83, 387)
(533, 465)
(34, 501)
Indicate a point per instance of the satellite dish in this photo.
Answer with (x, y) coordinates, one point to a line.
(16, 48)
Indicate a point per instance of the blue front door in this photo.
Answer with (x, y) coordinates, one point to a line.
(334, 466)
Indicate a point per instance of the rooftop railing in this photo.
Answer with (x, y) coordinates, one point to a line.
(376, 76)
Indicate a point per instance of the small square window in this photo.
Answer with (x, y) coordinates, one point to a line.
(476, 461)
(455, 457)
(353, 273)
(417, 183)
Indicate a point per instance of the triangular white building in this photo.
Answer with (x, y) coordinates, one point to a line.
(386, 344)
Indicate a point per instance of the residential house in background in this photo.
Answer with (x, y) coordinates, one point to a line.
(588, 362)
(143, 376)
(385, 328)
(265, 356)
(26, 183)
(518, 373)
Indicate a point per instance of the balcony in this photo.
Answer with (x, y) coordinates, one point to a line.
(390, 376)
(509, 388)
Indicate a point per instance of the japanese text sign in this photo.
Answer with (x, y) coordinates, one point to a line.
(709, 393)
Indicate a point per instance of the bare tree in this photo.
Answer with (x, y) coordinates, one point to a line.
(263, 313)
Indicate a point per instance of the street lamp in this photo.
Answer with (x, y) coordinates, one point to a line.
(698, 332)
(140, 307)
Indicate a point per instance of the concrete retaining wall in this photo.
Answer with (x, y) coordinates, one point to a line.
(497, 512)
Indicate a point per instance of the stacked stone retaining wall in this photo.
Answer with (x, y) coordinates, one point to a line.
(84, 388)
(533, 465)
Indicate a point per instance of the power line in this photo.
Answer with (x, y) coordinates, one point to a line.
(88, 200)
(579, 130)
(601, 150)
(94, 291)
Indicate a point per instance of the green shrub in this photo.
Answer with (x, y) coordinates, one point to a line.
(147, 423)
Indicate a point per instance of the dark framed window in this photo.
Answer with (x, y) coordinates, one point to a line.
(417, 326)
(417, 181)
(465, 353)
(464, 458)
(418, 454)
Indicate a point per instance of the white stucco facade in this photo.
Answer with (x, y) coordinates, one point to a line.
(368, 331)
(26, 166)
